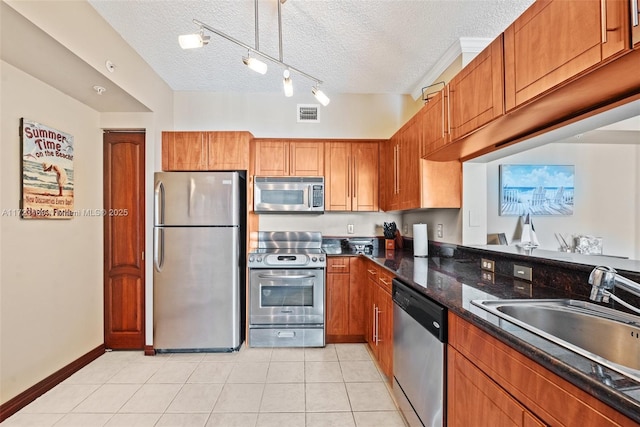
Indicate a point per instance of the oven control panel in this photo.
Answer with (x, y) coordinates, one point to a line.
(280, 260)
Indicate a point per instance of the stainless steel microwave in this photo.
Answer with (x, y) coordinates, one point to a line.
(289, 194)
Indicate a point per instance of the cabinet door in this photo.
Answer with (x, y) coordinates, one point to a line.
(553, 41)
(364, 176)
(474, 399)
(385, 331)
(228, 150)
(369, 296)
(338, 186)
(410, 167)
(184, 151)
(337, 304)
(357, 287)
(271, 158)
(476, 92)
(388, 175)
(306, 158)
(434, 124)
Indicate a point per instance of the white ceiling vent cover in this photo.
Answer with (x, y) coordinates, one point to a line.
(308, 113)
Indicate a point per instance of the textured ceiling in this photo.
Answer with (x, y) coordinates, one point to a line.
(353, 46)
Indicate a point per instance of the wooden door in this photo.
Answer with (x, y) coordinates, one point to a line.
(385, 331)
(124, 241)
(365, 172)
(369, 300)
(338, 185)
(184, 151)
(271, 158)
(476, 92)
(228, 150)
(388, 198)
(337, 298)
(306, 158)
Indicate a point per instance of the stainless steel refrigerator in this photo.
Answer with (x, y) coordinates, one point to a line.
(198, 270)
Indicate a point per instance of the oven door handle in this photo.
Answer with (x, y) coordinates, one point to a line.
(292, 276)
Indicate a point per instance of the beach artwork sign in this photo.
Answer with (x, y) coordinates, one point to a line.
(47, 172)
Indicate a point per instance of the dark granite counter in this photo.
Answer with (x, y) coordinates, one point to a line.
(454, 280)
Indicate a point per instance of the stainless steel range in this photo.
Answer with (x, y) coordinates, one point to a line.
(287, 290)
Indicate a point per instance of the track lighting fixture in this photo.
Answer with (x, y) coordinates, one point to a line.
(190, 41)
(320, 96)
(193, 41)
(255, 64)
(288, 83)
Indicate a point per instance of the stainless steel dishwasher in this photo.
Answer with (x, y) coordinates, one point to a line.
(419, 337)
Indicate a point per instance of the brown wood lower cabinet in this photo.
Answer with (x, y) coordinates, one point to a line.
(344, 300)
(491, 384)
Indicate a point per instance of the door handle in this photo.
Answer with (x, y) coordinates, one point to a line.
(158, 248)
(634, 13)
(355, 175)
(603, 26)
(292, 276)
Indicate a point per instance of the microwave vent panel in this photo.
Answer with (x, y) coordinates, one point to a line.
(308, 113)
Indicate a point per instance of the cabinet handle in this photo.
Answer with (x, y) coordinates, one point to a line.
(634, 13)
(384, 281)
(355, 174)
(372, 272)
(348, 176)
(377, 326)
(398, 170)
(338, 266)
(603, 26)
(374, 336)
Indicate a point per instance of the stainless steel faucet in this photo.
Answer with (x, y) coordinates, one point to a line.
(603, 278)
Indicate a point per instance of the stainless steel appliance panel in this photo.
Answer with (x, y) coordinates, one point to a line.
(419, 357)
(288, 194)
(197, 198)
(196, 291)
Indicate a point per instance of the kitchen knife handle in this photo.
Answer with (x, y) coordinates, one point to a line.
(158, 248)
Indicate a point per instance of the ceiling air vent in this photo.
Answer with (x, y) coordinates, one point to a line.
(308, 113)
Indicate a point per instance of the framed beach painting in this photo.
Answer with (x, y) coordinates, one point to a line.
(536, 189)
(47, 172)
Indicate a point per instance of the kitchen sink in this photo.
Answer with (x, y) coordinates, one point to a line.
(606, 336)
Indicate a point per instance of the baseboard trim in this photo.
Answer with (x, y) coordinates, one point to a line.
(149, 350)
(32, 393)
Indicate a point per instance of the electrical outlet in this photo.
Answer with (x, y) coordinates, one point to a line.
(487, 276)
(440, 231)
(488, 265)
(349, 228)
(522, 272)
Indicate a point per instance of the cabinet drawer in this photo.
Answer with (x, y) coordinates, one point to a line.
(338, 264)
(372, 271)
(385, 280)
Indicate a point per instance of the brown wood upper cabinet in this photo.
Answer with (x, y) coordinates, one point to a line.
(275, 157)
(435, 123)
(400, 171)
(193, 151)
(476, 93)
(555, 40)
(351, 176)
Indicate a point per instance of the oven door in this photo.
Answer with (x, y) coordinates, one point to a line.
(286, 297)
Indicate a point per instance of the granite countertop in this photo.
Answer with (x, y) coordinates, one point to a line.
(454, 283)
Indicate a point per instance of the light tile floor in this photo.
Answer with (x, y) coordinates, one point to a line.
(337, 386)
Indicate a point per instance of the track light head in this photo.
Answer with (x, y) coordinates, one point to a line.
(288, 83)
(255, 64)
(193, 41)
(320, 96)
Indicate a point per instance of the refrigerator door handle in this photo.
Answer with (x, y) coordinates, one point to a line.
(192, 190)
(158, 249)
(158, 199)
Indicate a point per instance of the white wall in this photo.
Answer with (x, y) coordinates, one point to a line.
(606, 196)
(449, 218)
(51, 278)
(274, 116)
